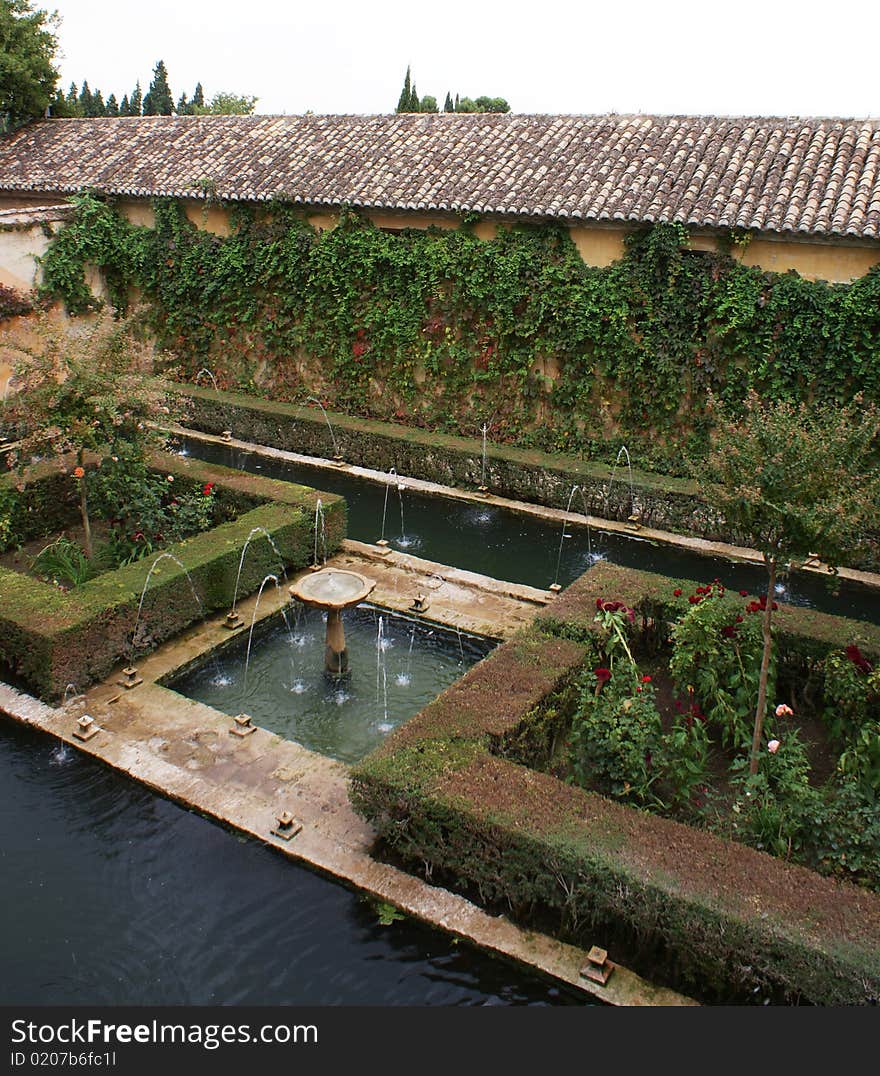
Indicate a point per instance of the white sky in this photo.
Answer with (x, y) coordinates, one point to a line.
(742, 57)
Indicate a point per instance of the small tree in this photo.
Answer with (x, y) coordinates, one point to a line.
(448, 105)
(135, 102)
(83, 390)
(792, 481)
(225, 104)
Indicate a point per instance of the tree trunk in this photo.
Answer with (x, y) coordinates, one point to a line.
(761, 707)
(84, 512)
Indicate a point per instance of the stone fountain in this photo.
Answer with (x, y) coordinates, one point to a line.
(333, 589)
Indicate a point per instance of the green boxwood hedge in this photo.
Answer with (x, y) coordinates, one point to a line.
(711, 916)
(50, 638)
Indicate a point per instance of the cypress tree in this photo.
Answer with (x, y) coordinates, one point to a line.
(448, 106)
(136, 100)
(98, 106)
(124, 109)
(72, 101)
(413, 100)
(455, 107)
(183, 106)
(198, 97)
(403, 105)
(158, 100)
(111, 108)
(85, 100)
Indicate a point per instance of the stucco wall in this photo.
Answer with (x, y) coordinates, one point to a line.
(814, 261)
(19, 247)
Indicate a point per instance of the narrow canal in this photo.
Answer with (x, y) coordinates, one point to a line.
(524, 549)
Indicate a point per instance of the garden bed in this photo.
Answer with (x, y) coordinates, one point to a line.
(466, 792)
(50, 638)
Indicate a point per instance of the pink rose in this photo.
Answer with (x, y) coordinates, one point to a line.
(784, 711)
(773, 746)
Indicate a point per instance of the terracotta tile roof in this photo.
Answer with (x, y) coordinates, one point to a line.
(812, 176)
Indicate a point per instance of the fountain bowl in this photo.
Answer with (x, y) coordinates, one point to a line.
(332, 588)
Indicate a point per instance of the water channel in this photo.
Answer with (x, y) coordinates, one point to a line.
(519, 548)
(116, 896)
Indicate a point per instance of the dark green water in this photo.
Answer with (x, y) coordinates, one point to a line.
(115, 896)
(522, 549)
(391, 677)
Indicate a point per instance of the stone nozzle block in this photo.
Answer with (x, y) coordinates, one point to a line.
(242, 726)
(286, 826)
(598, 967)
(130, 677)
(86, 728)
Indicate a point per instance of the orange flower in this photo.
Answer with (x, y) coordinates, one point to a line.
(78, 472)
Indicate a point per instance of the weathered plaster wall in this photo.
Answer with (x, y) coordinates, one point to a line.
(20, 245)
(836, 263)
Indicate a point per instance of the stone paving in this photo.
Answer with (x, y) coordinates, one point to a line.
(184, 750)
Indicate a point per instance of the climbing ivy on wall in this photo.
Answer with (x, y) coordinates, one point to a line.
(443, 330)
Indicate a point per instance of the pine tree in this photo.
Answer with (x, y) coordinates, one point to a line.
(124, 109)
(198, 97)
(98, 106)
(112, 107)
(403, 105)
(183, 106)
(448, 106)
(135, 102)
(158, 100)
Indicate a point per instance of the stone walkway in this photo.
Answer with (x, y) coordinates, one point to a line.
(184, 750)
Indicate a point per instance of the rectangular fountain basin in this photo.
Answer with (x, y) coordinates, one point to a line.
(286, 690)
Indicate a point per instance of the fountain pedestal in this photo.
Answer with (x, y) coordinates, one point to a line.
(333, 589)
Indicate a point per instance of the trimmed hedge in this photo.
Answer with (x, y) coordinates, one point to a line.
(664, 502)
(51, 638)
(721, 919)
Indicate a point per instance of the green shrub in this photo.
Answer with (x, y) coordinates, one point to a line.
(716, 653)
(851, 690)
(774, 804)
(63, 561)
(615, 733)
